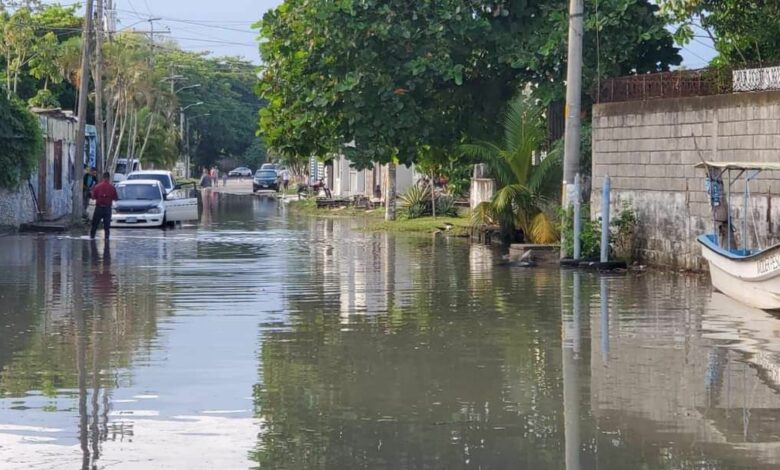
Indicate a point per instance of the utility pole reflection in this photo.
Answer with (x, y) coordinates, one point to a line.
(571, 346)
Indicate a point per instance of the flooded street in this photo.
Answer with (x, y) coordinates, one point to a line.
(259, 339)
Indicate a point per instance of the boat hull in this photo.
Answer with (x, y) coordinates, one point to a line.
(753, 280)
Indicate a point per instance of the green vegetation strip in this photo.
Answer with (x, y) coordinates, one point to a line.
(454, 226)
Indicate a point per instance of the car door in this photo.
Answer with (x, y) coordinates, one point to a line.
(180, 209)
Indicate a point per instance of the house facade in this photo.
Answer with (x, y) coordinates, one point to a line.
(347, 181)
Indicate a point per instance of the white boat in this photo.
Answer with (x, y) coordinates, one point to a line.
(750, 275)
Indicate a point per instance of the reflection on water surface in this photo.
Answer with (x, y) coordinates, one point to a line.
(262, 339)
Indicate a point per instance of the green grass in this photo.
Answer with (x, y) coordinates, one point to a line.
(375, 219)
(423, 225)
(309, 207)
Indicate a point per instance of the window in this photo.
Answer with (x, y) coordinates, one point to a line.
(58, 164)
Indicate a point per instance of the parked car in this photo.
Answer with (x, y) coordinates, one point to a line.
(124, 167)
(240, 171)
(269, 166)
(163, 176)
(265, 179)
(144, 203)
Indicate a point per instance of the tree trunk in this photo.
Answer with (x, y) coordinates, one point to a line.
(8, 77)
(78, 208)
(433, 196)
(390, 192)
(146, 137)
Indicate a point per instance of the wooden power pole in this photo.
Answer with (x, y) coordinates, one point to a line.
(78, 185)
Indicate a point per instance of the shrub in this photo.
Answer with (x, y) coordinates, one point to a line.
(445, 205)
(416, 202)
(622, 234)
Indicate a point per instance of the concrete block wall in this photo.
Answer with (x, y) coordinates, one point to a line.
(649, 148)
(16, 207)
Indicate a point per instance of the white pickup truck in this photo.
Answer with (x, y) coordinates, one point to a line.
(151, 199)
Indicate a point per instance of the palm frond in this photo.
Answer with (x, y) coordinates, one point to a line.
(483, 214)
(494, 157)
(543, 230)
(548, 168)
(509, 196)
(522, 135)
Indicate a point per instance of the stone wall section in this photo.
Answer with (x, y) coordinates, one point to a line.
(649, 150)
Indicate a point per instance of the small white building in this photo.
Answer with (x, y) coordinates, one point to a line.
(347, 181)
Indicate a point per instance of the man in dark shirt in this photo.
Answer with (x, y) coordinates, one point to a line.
(90, 180)
(104, 195)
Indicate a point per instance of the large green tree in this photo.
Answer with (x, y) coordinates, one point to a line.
(392, 78)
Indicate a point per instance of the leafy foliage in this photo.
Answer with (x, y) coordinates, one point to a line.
(394, 77)
(21, 141)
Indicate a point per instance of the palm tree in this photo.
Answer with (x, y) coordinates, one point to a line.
(524, 196)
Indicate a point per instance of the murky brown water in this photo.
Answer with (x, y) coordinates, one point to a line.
(264, 340)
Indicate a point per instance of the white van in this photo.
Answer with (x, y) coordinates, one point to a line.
(124, 167)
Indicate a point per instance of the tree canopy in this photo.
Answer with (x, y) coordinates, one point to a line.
(393, 77)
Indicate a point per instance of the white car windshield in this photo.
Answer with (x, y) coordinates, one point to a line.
(143, 192)
(164, 179)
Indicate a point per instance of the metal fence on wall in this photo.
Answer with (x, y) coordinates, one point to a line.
(677, 84)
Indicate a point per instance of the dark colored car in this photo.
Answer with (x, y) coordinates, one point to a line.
(265, 179)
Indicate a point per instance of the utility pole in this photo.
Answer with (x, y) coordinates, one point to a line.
(571, 154)
(99, 124)
(110, 18)
(78, 185)
(151, 38)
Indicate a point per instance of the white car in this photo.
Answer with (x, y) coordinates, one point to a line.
(163, 176)
(144, 203)
(240, 171)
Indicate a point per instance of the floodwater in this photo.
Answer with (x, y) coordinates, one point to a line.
(263, 340)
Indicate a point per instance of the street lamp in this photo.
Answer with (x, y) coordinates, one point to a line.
(176, 92)
(185, 137)
(190, 105)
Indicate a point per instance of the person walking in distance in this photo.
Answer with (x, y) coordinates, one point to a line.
(285, 179)
(104, 195)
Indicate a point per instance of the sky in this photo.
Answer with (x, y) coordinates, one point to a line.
(224, 27)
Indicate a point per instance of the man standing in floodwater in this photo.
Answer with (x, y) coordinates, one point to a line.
(104, 195)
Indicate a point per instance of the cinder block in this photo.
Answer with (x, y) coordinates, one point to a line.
(742, 142)
(736, 114)
(753, 127)
(656, 170)
(770, 127)
(759, 141)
